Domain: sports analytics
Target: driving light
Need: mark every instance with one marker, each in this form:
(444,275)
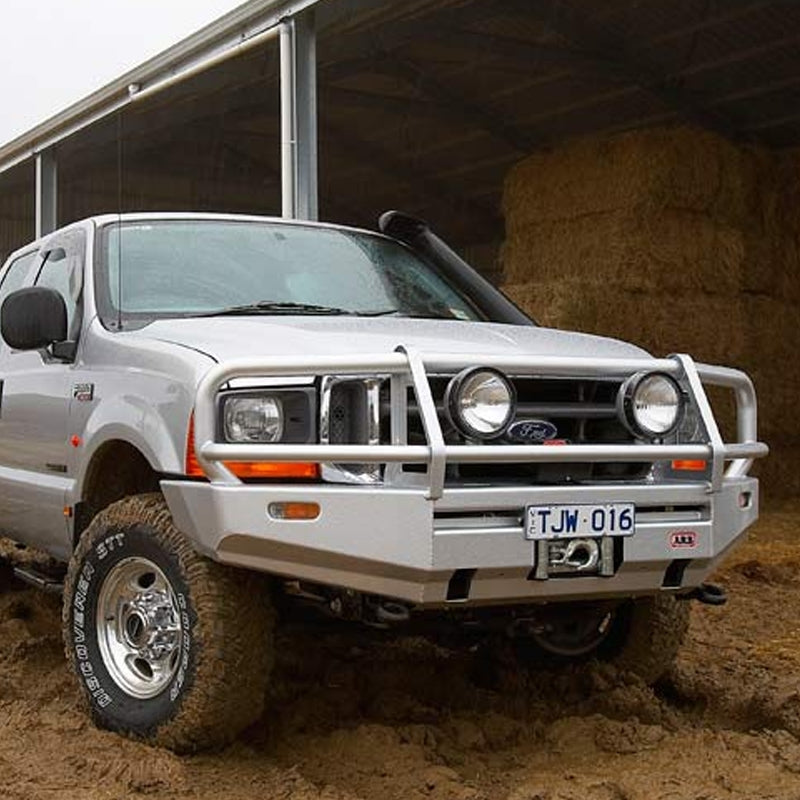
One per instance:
(651,404)
(480,402)
(253,419)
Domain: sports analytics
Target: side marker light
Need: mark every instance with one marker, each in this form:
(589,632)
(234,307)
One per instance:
(294,511)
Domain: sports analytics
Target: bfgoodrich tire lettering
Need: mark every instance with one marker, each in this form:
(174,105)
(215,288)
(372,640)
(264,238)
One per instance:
(217,685)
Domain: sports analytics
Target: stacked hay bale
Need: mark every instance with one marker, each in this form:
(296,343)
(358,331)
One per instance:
(773,343)
(675,239)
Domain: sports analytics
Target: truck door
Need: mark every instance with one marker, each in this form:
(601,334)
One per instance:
(34,411)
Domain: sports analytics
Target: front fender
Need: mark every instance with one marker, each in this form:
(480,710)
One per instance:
(139,423)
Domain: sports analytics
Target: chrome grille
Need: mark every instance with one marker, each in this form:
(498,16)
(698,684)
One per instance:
(347,417)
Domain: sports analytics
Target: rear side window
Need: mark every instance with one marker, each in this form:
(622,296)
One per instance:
(14,277)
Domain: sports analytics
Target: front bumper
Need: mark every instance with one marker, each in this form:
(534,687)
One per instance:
(397,542)
(419,539)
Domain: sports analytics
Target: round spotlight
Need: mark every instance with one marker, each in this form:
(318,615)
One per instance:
(651,404)
(480,402)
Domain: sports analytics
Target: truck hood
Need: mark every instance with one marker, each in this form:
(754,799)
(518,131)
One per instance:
(224,338)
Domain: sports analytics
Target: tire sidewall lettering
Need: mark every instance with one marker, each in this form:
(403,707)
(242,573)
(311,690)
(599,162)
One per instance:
(86,668)
(106,698)
(186,646)
(109,544)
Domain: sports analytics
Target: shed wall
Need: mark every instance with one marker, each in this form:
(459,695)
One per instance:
(17,224)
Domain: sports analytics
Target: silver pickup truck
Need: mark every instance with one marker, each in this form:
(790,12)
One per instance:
(192,402)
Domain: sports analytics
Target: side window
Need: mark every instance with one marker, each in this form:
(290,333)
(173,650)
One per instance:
(62,270)
(15,275)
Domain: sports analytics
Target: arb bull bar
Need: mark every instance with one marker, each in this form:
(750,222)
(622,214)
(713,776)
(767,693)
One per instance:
(406,367)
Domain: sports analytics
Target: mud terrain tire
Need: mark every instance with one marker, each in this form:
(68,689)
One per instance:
(643,637)
(653,630)
(220,653)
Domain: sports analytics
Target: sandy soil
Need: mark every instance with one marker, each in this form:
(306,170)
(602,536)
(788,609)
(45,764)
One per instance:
(362,716)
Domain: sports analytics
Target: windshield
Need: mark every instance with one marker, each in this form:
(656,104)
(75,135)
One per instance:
(177,268)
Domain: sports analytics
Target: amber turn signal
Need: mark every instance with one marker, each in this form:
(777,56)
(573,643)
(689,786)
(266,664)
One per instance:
(247,469)
(269,469)
(689,466)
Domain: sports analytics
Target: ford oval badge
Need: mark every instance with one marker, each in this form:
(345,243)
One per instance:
(532,431)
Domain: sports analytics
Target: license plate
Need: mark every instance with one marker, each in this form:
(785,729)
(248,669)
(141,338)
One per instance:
(568,521)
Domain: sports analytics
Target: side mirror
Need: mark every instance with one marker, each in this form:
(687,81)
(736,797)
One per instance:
(33,318)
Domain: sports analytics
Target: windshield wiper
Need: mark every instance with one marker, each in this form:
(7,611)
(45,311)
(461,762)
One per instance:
(385,312)
(273,307)
(285,307)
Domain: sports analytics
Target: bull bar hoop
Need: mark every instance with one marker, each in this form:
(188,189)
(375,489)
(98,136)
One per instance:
(408,368)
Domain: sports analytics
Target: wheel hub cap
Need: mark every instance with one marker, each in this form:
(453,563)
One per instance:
(139,627)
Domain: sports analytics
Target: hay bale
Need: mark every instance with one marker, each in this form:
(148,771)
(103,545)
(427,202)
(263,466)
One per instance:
(772,356)
(648,171)
(787,176)
(772,234)
(778,389)
(670,251)
(780,473)
(771,265)
(773,331)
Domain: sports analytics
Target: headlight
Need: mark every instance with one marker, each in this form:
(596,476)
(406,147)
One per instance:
(253,419)
(651,404)
(480,402)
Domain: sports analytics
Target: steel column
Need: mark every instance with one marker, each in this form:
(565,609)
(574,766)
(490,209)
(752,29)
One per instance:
(46,193)
(298,118)
(288,117)
(306,111)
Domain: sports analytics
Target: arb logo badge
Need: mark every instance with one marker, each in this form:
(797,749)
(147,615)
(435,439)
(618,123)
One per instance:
(683,540)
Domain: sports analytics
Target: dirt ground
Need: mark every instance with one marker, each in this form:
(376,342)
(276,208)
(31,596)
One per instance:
(363,716)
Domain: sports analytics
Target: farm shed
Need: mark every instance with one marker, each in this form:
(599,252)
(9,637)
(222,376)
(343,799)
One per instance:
(626,167)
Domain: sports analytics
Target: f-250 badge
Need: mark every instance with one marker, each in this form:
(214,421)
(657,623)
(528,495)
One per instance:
(83,392)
